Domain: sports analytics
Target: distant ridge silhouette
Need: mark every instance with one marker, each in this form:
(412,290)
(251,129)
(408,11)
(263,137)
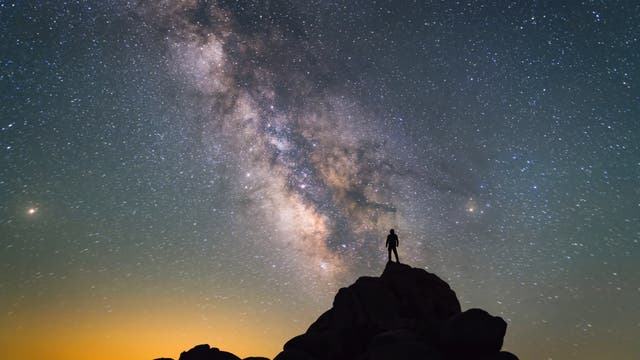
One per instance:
(406,313)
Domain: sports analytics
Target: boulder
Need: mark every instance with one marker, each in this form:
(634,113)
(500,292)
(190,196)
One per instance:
(403,297)
(473,333)
(205,352)
(422,296)
(404,306)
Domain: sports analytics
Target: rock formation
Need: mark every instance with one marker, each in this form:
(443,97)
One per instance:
(204,352)
(406,313)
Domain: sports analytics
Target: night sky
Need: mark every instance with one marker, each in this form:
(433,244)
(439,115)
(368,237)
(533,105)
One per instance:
(184,172)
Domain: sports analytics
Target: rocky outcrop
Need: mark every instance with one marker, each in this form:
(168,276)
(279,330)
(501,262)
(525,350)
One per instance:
(204,352)
(406,313)
(473,333)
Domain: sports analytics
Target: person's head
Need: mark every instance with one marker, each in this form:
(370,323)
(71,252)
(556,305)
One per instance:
(391,231)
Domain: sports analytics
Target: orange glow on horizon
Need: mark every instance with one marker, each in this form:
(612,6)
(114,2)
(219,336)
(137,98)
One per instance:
(138,333)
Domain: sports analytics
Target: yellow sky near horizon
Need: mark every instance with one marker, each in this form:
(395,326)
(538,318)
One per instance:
(139,332)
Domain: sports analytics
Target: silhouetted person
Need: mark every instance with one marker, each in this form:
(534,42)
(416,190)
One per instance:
(392,244)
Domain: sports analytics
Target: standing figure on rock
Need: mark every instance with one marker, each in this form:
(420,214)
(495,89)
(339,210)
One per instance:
(392,244)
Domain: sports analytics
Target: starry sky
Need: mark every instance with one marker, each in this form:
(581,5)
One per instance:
(178,172)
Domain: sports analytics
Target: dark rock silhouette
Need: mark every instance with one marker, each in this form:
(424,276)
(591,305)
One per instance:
(204,352)
(406,313)
(473,333)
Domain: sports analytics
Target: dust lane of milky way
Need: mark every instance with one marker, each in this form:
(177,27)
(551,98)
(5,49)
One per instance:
(313,166)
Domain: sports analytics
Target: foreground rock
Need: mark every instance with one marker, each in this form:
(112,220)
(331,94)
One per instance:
(204,352)
(406,313)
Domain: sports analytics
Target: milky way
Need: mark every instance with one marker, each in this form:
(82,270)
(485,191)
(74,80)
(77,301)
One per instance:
(309,163)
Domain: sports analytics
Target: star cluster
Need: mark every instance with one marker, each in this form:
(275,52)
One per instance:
(182,172)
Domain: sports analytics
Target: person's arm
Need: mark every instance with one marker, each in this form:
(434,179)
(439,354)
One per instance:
(386,244)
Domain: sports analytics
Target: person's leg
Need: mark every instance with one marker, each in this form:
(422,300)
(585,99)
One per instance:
(395,252)
(389,248)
